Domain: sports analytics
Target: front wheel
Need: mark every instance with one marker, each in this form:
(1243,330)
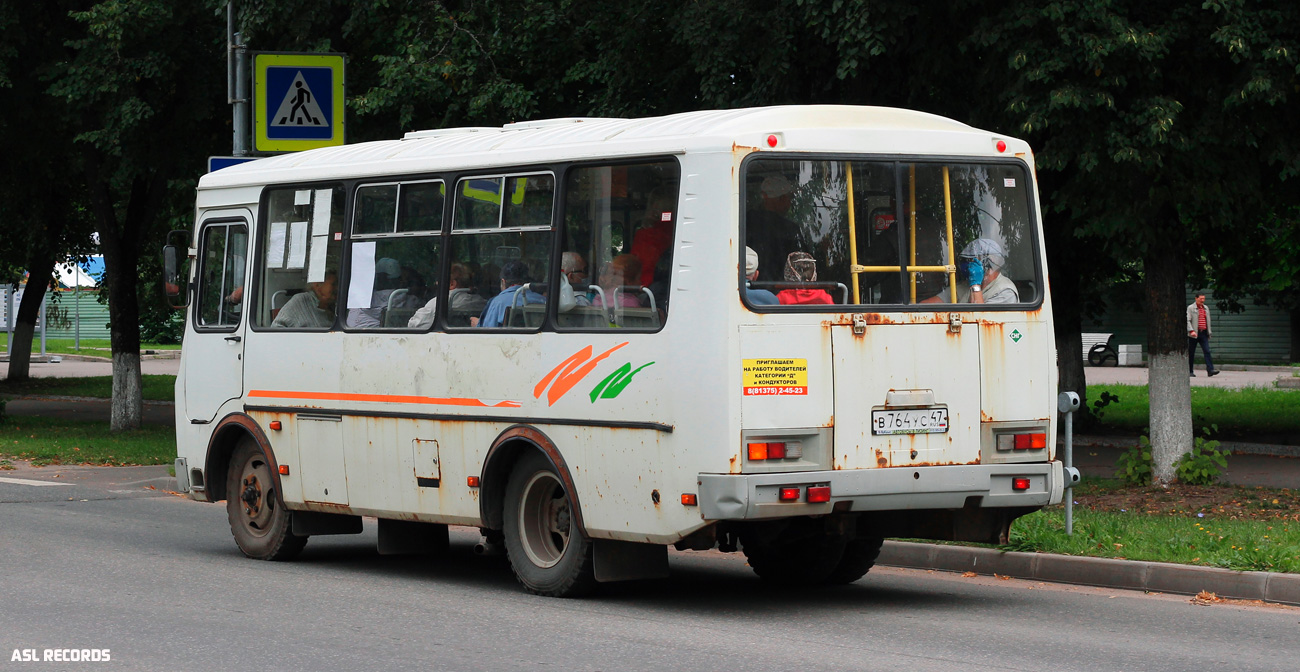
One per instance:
(550,555)
(258,519)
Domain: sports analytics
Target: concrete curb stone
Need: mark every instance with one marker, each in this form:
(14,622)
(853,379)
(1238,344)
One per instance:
(1102,572)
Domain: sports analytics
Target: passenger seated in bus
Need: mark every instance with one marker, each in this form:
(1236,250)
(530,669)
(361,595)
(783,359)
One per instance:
(312,309)
(767,226)
(663,282)
(620,276)
(758,297)
(979,268)
(983,260)
(573,271)
(655,235)
(388,275)
(801,267)
(514,274)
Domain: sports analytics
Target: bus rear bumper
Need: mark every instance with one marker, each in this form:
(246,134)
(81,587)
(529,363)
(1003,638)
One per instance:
(756,496)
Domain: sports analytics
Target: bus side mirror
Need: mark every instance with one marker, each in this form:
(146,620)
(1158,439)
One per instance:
(176,276)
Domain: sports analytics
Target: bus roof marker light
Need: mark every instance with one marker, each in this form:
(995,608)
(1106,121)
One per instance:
(772,141)
(1001,145)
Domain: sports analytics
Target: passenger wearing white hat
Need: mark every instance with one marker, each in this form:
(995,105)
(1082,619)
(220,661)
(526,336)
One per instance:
(758,297)
(983,260)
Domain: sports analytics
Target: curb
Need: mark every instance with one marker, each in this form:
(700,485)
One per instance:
(1160,577)
(1235,447)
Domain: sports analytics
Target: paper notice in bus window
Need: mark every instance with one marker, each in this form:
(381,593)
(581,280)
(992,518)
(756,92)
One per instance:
(320,215)
(319,250)
(361,282)
(302,197)
(775,377)
(275,245)
(297,245)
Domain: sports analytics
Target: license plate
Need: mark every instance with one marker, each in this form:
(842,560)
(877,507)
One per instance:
(910,421)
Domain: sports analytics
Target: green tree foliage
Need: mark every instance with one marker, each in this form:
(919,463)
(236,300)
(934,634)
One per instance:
(144,84)
(1167,124)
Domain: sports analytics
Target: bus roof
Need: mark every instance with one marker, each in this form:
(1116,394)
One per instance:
(800,127)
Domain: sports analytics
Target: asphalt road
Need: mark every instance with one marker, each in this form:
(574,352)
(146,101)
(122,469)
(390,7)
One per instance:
(106,562)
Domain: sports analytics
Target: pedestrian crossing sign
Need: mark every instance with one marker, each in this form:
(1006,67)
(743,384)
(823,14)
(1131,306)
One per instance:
(297,101)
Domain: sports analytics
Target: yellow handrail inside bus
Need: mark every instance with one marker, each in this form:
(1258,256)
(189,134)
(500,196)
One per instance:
(911,207)
(952,254)
(853,238)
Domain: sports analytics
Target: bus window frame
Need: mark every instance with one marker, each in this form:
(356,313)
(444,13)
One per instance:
(263,229)
(1033,224)
(204,224)
(450,233)
(349,224)
(553,303)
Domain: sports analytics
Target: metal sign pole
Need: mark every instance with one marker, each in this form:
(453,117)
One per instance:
(237,94)
(76,307)
(1067,403)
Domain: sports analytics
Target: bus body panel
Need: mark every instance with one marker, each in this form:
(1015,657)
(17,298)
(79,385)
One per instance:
(376,418)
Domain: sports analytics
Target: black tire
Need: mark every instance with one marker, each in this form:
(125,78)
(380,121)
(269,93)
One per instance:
(548,552)
(858,559)
(801,562)
(258,519)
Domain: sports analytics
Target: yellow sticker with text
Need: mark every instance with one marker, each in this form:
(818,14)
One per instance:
(775,376)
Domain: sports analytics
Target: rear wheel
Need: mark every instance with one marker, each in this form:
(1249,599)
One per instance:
(803,561)
(548,552)
(258,519)
(859,556)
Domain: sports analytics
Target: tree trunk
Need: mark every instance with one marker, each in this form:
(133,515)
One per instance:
(1170,390)
(1295,335)
(40,270)
(119,241)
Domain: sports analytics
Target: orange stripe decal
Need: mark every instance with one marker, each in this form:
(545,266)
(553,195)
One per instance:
(570,372)
(382,398)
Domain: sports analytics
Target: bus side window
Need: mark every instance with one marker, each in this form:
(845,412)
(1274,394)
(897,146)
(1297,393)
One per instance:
(396,255)
(221,276)
(299,253)
(619,275)
(501,239)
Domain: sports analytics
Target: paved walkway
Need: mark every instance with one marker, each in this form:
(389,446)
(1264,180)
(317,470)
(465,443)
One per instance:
(80,368)
(1230,377)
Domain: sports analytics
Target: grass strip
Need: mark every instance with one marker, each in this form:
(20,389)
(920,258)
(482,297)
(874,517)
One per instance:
(155,387)
(46,441)
(95,347)
(1245,412)
(1247,545)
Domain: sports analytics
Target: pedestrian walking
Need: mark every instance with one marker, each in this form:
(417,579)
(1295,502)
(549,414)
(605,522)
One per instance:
(1198,331)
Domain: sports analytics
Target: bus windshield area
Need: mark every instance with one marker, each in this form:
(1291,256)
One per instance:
(883,233)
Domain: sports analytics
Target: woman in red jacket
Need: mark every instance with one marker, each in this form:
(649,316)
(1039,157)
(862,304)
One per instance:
(801,267)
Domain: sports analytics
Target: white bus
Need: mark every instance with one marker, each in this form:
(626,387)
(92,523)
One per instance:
(794,331)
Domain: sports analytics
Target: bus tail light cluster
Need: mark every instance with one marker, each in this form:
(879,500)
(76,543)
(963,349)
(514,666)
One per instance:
(1034,441)
(1020,483)
(774,450)
(816,494)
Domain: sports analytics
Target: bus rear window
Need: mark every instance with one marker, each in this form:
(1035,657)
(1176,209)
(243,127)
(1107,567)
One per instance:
(892,243)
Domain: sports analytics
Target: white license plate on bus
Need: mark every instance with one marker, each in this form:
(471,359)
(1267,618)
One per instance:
(910,421)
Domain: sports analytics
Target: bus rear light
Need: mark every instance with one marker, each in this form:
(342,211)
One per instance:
(1001,145)
(275,424)
(818,494)
(758,451)
(789,494)
(772,140)
(1020,483)
(688,499)
(775,451)
(1028,441)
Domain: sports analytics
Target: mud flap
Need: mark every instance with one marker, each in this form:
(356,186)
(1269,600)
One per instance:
(627,560)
